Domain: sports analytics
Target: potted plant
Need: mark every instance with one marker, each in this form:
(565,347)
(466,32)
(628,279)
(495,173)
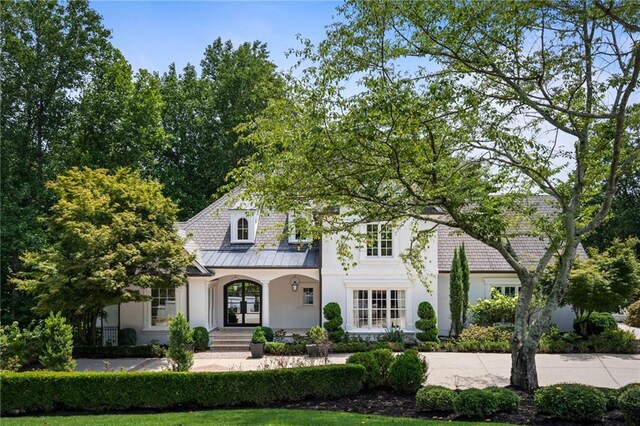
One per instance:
(320,345)
(258,340)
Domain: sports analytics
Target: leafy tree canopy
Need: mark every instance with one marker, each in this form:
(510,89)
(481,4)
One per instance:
(467,107)
(110,237)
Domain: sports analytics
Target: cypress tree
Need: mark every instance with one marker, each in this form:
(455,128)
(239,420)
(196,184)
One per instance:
(455,294)
(466,283)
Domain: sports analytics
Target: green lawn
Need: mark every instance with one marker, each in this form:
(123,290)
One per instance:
(227,417)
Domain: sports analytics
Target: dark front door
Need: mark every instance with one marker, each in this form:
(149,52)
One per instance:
(243,303)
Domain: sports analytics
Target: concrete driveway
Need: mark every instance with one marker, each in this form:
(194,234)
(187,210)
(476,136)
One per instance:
(450,369)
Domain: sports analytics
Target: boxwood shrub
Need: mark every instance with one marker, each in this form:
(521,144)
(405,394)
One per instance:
(566,401)
(476,403)
(373,377)
(140,351)
(407,372)
(508,400)
(630,405)
(101,392)
(435,398)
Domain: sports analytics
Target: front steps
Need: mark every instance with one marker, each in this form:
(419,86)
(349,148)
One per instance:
(230,339)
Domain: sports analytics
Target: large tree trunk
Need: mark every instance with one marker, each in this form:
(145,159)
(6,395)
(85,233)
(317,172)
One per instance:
(523,366)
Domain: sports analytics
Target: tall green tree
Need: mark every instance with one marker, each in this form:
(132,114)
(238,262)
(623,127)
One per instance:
(455,294)
(465,275)
(201,114)
(475,108)
(118,122)
(111,236)
(48,50)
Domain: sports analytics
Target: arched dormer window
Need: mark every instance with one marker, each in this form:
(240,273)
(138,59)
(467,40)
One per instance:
(243,229)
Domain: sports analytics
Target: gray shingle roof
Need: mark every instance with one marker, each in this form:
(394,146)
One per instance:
(210,230)
(483,258)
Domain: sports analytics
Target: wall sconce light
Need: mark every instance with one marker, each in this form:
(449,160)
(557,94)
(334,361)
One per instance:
(294,283)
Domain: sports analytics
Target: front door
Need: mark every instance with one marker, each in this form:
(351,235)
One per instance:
(243,303)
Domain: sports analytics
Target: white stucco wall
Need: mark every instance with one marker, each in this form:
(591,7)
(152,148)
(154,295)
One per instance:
(480,289)
(378,273)
(137,316)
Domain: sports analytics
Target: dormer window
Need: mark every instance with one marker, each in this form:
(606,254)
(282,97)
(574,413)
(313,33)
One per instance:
(243,229)
(243,226)
(295,235)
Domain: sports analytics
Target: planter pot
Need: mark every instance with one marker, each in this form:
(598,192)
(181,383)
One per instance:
(257,350)
(314,350)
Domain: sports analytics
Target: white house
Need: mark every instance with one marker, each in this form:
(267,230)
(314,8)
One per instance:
(246,275)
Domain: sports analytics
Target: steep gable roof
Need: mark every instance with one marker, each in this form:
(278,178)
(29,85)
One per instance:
(210,230)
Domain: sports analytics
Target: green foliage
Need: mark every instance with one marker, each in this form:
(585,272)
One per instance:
(571,402)
(49,52)
(435,398)
(57,344)
(373,377)
(427,324)
(607,281)
(180,357)
(200,338)
(317,335)
(407,372)
(394,334)
(107,392)
(633,314)
(333,323)
(141,351)
(127,337)
(268,333)
(279,348)
(385,358)
(19,347)
(630,405)
(476,403)
(613,341)
(456,294)
(594,323)
(508,400)
(484,339)
(612,396)
(465,276)
(258,336)
(112,236)
(499,308)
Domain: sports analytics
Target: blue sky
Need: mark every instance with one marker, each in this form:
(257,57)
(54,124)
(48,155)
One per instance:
(153,34)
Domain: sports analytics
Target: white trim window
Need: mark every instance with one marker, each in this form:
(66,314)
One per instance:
(296,236)
(379,308)
(507,286)
(163,306)
(308,298)
(379,240)
(243,229)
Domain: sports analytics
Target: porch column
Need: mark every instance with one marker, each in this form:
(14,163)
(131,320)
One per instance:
(265,303)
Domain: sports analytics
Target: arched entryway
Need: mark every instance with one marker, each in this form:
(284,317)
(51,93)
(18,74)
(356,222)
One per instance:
(243,303)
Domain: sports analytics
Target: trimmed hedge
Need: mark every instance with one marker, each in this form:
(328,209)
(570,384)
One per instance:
(141,351)
(508,400)
(435,398)
(630,405)
(127,337)
(568,401)
(476,403)
(100,392)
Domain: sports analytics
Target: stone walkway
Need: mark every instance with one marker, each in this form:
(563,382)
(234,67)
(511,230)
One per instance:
(445,368)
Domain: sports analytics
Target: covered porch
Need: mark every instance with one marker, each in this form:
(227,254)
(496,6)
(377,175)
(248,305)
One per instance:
(237,299)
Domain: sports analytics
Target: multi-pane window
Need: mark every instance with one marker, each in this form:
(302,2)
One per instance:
(163,305)
(507,290)
(243,229)
(307,296)
(379,240)
(379,308)
(361,308)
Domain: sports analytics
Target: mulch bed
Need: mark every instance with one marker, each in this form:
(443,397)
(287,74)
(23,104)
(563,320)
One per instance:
(388,403)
